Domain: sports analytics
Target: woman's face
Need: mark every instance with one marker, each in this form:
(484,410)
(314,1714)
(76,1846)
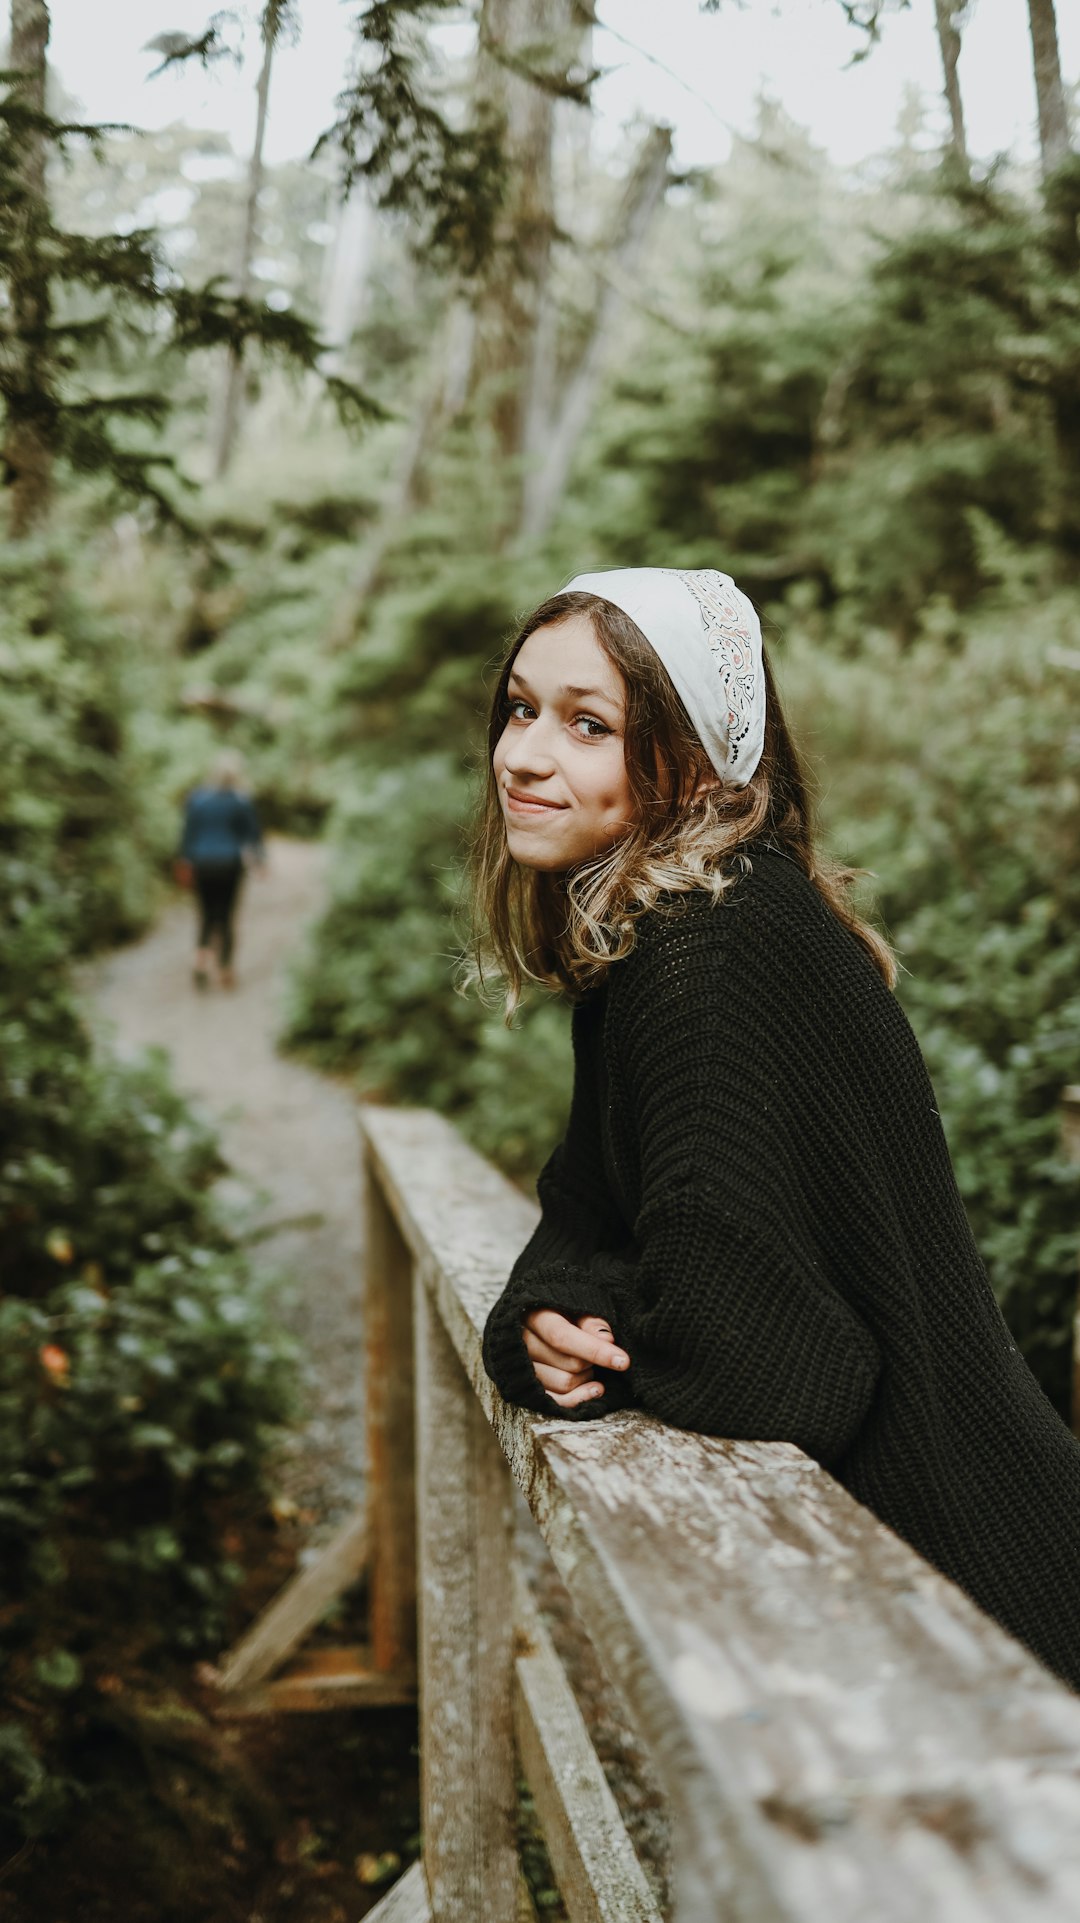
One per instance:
(560,764)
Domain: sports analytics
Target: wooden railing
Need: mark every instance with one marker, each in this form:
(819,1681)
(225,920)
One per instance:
(840,1732)
(841,1735)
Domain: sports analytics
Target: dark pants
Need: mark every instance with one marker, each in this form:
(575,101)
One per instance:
(217,884)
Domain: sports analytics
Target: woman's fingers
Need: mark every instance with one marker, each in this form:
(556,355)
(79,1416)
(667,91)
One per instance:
(595,1325)
(545,1331)
(560,1381)
(585,1392)
(542,1351)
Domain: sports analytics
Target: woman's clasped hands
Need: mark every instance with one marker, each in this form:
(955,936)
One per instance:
(564,1354)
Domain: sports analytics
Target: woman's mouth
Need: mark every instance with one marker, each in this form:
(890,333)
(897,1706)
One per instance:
(522,804)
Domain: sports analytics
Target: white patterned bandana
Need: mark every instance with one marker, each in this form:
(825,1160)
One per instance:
(708,637)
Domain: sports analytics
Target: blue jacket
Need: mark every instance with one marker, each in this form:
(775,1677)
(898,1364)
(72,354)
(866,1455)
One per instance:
(219,825)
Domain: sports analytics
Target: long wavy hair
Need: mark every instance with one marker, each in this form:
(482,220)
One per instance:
(564,930)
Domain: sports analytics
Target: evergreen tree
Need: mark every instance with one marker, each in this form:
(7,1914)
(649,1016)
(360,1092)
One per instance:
(75,302)
(27,452)
(276,15)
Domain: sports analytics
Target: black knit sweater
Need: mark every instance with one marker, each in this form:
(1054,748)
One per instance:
(754,1190)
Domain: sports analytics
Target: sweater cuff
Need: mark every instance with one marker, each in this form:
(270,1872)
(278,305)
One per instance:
(573,1293)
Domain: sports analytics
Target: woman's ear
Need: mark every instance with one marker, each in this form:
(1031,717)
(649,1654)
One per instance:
(706,784)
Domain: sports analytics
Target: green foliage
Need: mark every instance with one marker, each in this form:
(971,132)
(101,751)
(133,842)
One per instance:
(450,180)
(79,305)
(850,399)
(139,1377)
(81,810)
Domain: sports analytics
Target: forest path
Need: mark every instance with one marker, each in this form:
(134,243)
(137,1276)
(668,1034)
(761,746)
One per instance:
(288,1133)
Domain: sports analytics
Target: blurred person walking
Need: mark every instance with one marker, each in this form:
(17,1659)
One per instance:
(221,837)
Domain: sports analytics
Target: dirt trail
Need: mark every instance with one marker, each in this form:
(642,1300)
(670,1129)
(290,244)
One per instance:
(288,1133)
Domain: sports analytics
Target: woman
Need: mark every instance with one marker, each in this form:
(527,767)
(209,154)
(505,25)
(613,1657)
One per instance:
(751,1227)
(221,833)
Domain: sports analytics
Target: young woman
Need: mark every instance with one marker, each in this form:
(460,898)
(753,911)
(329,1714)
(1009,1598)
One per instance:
(751,1227)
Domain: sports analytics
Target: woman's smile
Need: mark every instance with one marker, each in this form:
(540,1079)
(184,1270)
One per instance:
(520,803)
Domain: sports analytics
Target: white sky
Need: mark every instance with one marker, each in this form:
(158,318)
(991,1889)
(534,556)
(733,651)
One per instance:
(797,51)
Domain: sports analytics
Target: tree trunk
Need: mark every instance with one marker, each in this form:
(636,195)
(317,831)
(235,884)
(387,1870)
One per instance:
(232,394)
(346,279)
(510,310)
(28,442)
(398,505)
(489,345)
(1050,92)
(544,481)
(949,41)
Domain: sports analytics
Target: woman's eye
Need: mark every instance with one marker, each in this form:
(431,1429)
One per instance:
(517,704)
(593,729)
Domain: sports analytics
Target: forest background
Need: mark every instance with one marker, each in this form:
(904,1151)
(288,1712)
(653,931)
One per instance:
(287,448)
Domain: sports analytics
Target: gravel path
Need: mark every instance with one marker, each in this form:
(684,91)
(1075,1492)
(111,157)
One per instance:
(289,1136)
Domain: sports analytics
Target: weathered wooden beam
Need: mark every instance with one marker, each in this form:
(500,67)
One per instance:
(389,1415)
(841,1732)
(407,1902)
(1070,1145)
(468,1778)
(296,1609)
(597,1871)
(326,1678)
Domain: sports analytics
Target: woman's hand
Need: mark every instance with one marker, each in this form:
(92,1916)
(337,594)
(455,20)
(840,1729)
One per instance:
(564,1354)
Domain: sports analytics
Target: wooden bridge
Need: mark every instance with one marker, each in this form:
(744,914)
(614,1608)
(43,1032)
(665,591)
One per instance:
(841,1735)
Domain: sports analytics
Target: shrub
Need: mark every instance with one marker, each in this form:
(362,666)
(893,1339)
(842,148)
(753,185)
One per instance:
(80,800)
(139,1376)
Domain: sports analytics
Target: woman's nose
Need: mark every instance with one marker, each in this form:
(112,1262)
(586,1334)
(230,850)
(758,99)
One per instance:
(529,751)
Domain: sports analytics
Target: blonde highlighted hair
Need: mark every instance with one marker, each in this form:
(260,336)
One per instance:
(564,930)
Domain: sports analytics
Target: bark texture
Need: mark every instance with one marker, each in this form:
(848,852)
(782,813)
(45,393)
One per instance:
(948,33)
(28,441)
(1049,90)
(557,430)
(232,393)
(511,312)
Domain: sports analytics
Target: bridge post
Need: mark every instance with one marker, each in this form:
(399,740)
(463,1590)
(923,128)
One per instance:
(468,1768)
(389,1417)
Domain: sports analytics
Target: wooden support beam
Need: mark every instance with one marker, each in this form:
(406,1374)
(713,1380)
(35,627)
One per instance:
(1070,1145)
(389,1406)
(407,1902)
(296,1609)
(327,1678)
(596,1868)
(468,1774)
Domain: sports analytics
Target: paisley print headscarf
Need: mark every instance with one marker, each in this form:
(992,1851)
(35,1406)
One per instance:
(708,637)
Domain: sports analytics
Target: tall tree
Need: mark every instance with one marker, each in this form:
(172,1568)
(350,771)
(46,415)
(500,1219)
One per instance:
(84,315)
(484,200)
(527,48)
(275,16)
(945,19)
(346,273)
(27,450)
(1049,88)
(558,421)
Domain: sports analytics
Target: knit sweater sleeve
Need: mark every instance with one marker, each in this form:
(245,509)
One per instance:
(731,1325)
